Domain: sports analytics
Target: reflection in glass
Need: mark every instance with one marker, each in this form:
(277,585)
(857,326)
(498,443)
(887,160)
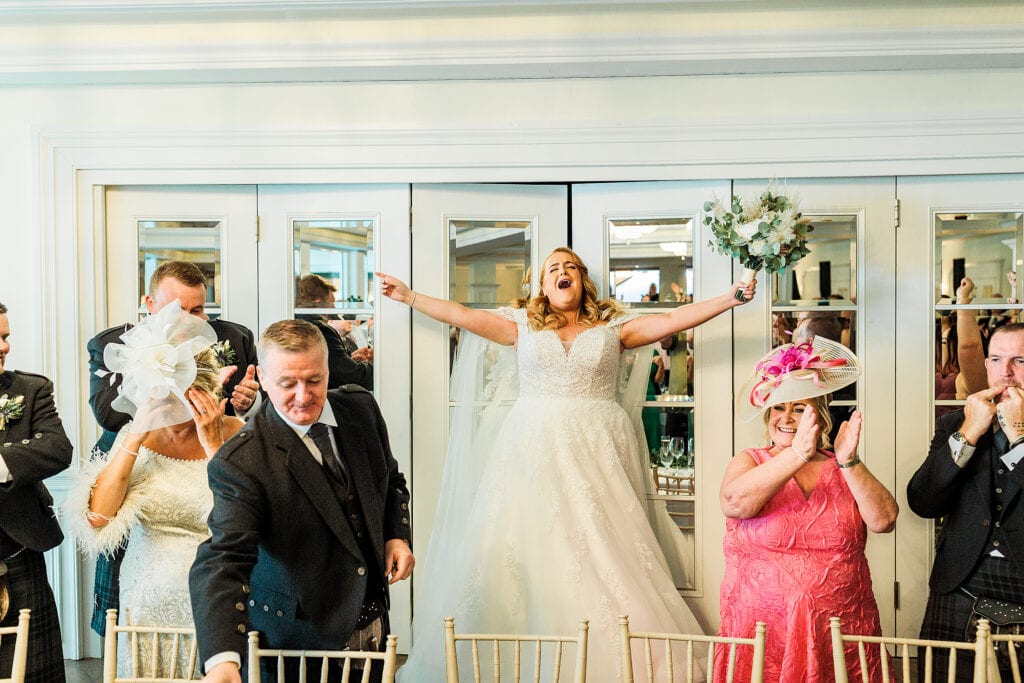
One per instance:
(827,276)
(985,247)
(489,262)
(341,252)
(962,333)
(196,241)
(650,260)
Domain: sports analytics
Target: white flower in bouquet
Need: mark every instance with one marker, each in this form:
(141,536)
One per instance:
(766,232)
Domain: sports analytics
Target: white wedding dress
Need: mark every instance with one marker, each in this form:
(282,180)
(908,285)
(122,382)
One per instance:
(557,528)
(165,513)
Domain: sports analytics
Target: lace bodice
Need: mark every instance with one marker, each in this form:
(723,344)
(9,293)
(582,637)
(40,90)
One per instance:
(588,370)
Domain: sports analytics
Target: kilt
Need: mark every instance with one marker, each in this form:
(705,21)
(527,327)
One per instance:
(106,589)
(946,617)
(29,588)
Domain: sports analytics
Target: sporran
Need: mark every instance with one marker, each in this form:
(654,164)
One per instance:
(1004,618)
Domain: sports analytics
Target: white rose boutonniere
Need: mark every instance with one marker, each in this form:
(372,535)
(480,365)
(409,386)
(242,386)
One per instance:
(768,232)
(11,408)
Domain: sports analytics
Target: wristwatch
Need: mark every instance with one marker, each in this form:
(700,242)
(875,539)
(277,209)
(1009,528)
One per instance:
(959,437)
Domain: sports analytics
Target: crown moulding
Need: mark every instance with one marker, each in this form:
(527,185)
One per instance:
(497,57)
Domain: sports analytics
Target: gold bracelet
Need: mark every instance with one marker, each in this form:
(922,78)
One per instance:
(412,304)
(128,451)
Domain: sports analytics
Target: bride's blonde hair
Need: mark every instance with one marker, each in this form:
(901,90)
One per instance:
(592,311)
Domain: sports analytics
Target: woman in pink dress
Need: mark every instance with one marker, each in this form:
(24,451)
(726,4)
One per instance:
(798,516)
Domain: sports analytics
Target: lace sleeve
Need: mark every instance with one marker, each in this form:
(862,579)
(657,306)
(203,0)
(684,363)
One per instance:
(623,318)
(114,534)
(516,315)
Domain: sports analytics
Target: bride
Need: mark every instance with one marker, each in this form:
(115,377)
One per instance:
(152,484)
(543,521)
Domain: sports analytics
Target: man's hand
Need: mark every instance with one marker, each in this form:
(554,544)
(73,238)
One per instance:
(245,391)
(1010,413)
(979,411)
(225,672)
(398,560)
(363,354)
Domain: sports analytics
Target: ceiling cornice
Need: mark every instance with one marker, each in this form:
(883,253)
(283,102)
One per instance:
(566,56)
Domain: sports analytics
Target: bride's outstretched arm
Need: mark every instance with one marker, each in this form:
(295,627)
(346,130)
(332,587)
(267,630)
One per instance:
(481,323)
(648,329)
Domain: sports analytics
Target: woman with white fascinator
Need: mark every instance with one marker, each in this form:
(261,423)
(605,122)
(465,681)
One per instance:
(152,484)
(798,516)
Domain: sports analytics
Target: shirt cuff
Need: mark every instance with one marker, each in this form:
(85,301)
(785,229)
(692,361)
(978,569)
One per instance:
(222,657)
(1012,458)
(254,408)
(961,451)
(5,474)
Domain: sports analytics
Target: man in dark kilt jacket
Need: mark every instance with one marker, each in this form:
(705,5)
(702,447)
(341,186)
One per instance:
(33,447)
(973,479)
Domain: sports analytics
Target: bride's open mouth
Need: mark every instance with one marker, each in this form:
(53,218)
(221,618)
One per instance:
(565,283)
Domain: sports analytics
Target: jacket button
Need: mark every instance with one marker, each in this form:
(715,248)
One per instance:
(280,613)
(405,506)
(8,444)
(266,608)
(995,543)
(252,603)
(26,441)
(361,571)
(245,588)
(241,629)
(39,435)
(240,606)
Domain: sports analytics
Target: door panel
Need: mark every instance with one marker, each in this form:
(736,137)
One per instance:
(213,226)
(471,244)
(853,259)
(644,241)
(950,227)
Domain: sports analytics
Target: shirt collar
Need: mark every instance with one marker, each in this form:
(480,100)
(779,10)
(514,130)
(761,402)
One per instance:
(326,416)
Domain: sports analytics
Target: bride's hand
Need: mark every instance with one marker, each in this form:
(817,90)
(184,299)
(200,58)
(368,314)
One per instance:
(393,288)
(749,289)
(208,414)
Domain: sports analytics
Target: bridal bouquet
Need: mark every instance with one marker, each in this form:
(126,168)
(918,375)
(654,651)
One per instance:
(768,232)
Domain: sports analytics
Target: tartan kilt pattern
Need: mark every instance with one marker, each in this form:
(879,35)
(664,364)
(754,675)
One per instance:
(948,617)
(106,589)
(29,588)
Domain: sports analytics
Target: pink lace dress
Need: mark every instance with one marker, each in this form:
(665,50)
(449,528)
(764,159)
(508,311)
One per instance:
(793,566)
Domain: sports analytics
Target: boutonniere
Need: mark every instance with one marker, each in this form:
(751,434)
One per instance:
(225,354)
(11,409)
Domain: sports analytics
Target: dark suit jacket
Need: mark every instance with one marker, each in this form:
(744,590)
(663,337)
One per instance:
(102,393)
(34,447)
(963,497)
(282,559)
(343,369)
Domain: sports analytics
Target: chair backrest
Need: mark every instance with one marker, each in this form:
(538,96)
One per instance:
(1014,646)
(673,484)
(661,650)
(556,648)
(20,633)
(350,662)
(164,653)
(901,646)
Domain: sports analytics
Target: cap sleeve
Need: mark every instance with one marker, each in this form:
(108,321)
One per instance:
(623,318)
(516,315)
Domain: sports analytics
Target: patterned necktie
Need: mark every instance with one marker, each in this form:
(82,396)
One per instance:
(322,439)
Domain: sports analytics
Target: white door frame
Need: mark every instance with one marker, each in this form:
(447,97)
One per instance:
(69,164)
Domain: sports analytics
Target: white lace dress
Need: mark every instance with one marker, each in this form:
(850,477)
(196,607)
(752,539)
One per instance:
(558,529)
(165,513)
